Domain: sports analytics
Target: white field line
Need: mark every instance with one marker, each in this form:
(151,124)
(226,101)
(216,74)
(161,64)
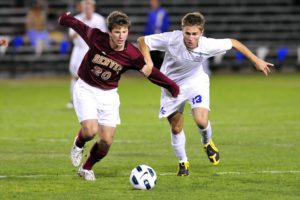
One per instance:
(167,174)
(261,172)
(242,173)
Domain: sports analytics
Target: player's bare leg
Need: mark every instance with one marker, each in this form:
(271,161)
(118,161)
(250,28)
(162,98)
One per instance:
(86,133)
(98,152)
(201,118)
(178,142)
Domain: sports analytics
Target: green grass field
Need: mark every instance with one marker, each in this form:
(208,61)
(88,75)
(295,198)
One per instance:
(256,126)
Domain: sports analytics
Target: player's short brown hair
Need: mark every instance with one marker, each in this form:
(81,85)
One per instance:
(117,18)
(193,19)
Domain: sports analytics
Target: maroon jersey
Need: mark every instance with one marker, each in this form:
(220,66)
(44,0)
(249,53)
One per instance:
(102,66)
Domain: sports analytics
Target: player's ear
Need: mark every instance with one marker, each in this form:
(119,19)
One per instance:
(202,31)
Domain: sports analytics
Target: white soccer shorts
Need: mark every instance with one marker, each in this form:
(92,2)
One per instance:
(94,103)
(196,92)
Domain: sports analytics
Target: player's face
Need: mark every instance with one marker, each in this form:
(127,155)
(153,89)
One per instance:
(88,9)
(191,35)
(118,37)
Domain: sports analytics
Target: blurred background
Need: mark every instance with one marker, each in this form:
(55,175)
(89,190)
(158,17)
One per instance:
(270,28)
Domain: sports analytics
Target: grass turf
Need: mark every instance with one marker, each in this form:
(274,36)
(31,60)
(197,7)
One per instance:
(255,124)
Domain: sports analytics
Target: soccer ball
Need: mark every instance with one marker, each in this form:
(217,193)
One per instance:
(143,177)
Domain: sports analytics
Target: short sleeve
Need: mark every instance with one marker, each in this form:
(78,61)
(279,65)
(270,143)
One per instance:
(216,46)
(158,41)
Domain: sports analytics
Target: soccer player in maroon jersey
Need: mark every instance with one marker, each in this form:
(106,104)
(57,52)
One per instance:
(96,100)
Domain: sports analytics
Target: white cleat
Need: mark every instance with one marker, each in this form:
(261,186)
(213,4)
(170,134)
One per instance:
(88,175)
(76,154)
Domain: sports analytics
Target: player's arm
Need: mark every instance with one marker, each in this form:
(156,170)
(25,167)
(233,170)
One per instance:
(155,76)
(162,80)
(259,64)
(82,29)
(144,49)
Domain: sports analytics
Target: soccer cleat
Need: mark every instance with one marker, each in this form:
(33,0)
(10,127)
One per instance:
(88,175)
(76,154)
(183,169)
(212,153)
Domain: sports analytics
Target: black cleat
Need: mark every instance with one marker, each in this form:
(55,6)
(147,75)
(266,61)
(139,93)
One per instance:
(212,153)
(183,169)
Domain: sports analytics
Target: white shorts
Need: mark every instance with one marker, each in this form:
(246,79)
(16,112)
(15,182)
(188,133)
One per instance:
(94,103)
(77,56)
(195,91)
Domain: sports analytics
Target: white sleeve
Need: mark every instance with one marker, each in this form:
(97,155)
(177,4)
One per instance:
(158,41)
(217,46)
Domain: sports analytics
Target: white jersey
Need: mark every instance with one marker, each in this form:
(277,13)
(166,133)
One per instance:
(181,64)
(185,67)
(80,47)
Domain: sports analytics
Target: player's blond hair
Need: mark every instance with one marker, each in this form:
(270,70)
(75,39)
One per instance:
(193,19)
(117,18)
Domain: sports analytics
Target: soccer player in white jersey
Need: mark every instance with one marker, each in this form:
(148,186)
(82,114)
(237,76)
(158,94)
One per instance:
(185,52)
(92,19)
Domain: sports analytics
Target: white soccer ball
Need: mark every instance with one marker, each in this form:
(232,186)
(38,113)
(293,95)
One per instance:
(143,177)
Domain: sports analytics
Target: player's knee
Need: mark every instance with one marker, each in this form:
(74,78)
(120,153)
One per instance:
(90,130)
(202,123)
(177,128)
(105,144)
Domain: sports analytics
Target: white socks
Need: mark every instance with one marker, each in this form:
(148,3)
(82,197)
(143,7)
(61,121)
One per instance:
(206,134)
(178,144)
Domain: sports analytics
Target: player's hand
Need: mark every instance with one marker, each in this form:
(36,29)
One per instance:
(146,70)
(63,15)
(263,66)
(175,90)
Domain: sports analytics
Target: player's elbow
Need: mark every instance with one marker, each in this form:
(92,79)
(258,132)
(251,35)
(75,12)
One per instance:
(141,40)
(235,43)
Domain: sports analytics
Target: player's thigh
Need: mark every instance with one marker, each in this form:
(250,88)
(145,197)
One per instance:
(108,112)
(170,105)
(84,101)
(198,93)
